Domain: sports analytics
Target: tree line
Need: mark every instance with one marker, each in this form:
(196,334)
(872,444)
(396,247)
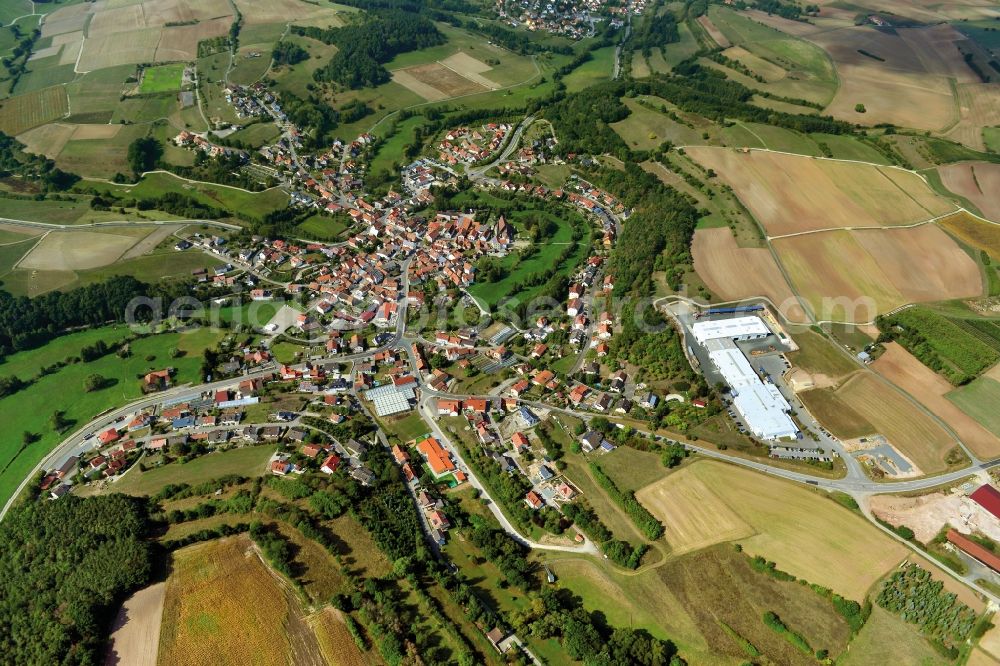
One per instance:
(363,48)
(64,567)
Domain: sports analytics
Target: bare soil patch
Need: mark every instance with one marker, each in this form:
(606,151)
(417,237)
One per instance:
(449,82)
(135,636)
(979,182)
(470,68)
(927,514)
(713,31)
(739,272)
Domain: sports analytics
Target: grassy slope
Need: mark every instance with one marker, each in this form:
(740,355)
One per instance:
(30,410)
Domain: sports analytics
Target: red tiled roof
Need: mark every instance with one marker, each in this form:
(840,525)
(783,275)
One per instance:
(987,497)
(975,550)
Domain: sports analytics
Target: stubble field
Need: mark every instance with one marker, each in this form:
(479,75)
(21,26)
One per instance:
(735,272)
(979,182)
(887,268)
(913,432)
(848,555)
(221,590)
(904,370)
(792,194)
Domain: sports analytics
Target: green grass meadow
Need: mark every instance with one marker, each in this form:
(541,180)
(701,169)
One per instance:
(162,78)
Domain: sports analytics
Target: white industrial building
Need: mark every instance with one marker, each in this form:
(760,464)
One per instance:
(737,328)
(760,403)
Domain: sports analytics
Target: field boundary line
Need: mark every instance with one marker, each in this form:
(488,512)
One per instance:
(870,227)
(538,73)
(17,264)
(187,180)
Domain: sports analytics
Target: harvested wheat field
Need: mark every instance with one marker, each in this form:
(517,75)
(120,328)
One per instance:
(335,642)
(282,11)
(978,107)
(435,81)
(793,193)
(472,69)
(923,263)
(110,49)
(887,268)
(735,272)
(704,520)
(225,606)
(79,250)
(48,139)
(181,42)
(817,265)
(974,232)
(135,634)
(979,182)
(848,555)
(914,433)
(905,371)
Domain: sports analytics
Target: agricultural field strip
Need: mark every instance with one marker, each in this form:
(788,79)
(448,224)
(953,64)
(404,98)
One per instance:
(921,223)
(534,61)
(958,209)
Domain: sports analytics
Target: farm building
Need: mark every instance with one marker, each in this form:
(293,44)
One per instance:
(974,550)
(987,497)
(760,403)
(737,328)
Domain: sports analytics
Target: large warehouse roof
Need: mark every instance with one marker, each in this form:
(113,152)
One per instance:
(760,404)
(389,399)
(737,327)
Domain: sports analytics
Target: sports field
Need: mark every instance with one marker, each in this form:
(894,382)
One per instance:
(791,194)
(847,554)
(741,272)
(164,78)
(221,589)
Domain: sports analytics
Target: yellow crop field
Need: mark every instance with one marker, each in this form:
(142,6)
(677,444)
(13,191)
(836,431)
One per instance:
(693,515)
(846,554)
(224,606)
